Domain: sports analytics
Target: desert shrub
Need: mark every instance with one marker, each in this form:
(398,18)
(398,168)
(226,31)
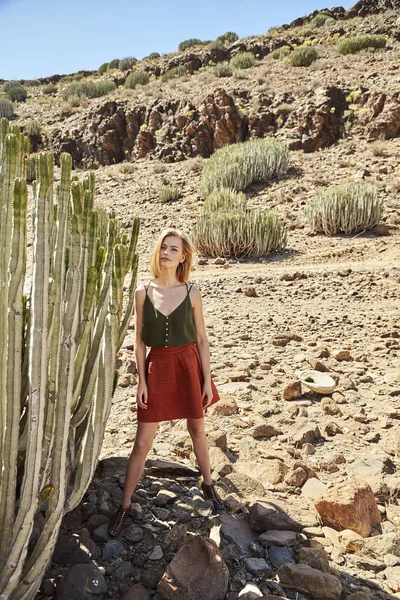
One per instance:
(103,68)
(154,55)
(127,168)
(306,33)
(223,69)
(50,88)
(169,192)
(280,53)
(113,64)
(174,73)
(229,37)
(237,166)
(88,89)
(32,127)
(321,19)
(127,63)
(227,228)
(243,60)
(303,57)
(74,100)
(347,208)
(137,78)
(6,107)
(186,44)
(354,44)
(32,83)
(9,85)
(217,45)
(16,92)
(240,74)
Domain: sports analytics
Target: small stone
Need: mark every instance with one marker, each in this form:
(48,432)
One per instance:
(350,541)
(292,391)
(316,558)
(219,261)
(341,355)
(226,406)
(276,537)
(165,497)
(304,432)
(133,534)
(308,449)
(317,365)
(332,429)
(264,430)
(257,566)
(250,292)
(157,553)
(137,592)
(113,549)
(296,477)
(280,555)
(330,407)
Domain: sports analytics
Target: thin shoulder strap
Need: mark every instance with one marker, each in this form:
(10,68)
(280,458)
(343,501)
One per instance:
(188,288)
(146,287)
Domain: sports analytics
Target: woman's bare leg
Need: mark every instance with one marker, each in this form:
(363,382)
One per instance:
(200,447)
(143,444)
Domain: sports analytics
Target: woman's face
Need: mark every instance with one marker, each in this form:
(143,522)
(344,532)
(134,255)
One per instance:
(171,253)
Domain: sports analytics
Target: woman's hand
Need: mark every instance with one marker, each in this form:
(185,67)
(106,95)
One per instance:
(141,395)
(207,395)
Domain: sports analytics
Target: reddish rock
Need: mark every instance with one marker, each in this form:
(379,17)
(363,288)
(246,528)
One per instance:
(193,568)
(292,391)
(350,505)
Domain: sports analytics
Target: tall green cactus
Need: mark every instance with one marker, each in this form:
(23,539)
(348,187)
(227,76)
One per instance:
(61,325)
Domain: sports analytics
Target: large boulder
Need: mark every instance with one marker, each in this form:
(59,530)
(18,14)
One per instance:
(350,505)
(196,571)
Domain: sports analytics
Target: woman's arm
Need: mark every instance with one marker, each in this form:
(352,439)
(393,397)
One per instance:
(202,344)
(140,348)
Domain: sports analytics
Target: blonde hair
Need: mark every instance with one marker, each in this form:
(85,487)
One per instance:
(184,268)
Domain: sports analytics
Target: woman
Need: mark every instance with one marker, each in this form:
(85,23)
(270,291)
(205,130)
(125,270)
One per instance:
(174,380)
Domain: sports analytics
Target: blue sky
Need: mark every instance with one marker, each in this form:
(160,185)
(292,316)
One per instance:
(44,37)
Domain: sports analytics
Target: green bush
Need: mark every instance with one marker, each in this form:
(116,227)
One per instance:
(137,78)
(32,127)
(229,37)
(174,73)
(154,55)
(347,208)
(217,45)
(169,193)
(9,85)
(303,57)
(223,69)
(113,64)
(32,83)
(243,60)
(17,93)
(237,166)
(50,88)
(185,45)
(127,63)
(227,228)
(6,107)
(320,19)
(88,89)
(354,44)
(306,33)
(280,53)
(103,68)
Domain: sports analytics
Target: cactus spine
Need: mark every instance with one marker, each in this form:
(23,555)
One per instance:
(57,350)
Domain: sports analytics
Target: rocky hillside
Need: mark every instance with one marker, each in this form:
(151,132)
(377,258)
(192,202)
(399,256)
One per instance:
(311,481)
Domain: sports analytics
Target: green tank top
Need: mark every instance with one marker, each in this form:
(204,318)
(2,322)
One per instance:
(178,329)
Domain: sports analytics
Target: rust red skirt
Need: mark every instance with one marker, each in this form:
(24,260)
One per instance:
(174,383)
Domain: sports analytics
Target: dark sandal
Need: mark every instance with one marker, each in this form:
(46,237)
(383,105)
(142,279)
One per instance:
(117,521)
(210,493)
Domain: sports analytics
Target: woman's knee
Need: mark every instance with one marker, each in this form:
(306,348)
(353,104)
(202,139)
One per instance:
(196,432)
(142,446)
